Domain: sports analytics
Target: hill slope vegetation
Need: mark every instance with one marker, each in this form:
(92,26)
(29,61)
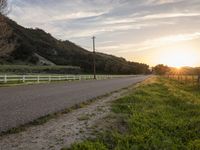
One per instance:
(27,46)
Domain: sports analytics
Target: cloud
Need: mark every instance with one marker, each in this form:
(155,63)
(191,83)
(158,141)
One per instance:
(157,43)
(163,1)
(178,38)
(170,15)
(131,25)
(76,15)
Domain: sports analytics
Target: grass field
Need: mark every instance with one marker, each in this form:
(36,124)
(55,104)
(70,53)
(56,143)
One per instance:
(26,69)
(159,114)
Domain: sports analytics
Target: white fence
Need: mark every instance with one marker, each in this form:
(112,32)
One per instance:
(51,78)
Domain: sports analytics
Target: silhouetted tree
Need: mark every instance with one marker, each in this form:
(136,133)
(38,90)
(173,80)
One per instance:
(161,69)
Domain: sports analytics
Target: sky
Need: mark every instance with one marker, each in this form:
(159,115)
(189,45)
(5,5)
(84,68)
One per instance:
(146,31)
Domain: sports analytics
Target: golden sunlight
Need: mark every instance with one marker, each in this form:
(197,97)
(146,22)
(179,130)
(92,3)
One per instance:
(179,56)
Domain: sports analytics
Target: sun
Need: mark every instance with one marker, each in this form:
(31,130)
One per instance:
(179,57)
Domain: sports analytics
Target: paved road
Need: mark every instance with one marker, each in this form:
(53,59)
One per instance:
(22,104)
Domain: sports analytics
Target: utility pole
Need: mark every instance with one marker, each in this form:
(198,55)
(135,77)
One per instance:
(94,57)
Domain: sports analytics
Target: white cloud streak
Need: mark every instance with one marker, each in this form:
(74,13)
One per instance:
(157,43)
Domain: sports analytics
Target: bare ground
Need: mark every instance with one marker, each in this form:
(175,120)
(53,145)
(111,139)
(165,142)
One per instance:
(62,131)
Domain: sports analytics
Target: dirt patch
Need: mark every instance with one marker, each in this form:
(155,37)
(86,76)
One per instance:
(64,130)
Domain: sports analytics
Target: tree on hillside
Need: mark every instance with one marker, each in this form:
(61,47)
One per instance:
(3,12)
(161,69)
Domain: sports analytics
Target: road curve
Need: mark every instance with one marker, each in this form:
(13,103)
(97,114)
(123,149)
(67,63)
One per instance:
(22,104)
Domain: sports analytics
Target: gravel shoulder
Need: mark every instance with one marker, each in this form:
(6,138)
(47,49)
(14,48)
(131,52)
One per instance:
(64,130)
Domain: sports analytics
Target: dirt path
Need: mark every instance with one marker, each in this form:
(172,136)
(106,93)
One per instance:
(62,131)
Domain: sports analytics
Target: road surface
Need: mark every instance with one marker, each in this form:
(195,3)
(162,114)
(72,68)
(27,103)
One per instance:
(22,104)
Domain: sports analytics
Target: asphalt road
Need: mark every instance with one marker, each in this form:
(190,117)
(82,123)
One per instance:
(22,104)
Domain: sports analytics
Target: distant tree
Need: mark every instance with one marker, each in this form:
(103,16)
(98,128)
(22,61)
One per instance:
(161,69)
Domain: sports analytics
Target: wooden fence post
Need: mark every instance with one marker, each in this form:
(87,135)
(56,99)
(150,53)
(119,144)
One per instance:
(23,79)
(59,78)
(5,78)
(186,79)
(38,79)
(192,76)
(49,78)
(74,77)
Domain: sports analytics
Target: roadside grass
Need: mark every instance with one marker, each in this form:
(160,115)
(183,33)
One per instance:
(159,114)
(93,145)
(19,83)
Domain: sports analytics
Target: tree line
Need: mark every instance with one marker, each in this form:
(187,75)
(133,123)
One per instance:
(164,70)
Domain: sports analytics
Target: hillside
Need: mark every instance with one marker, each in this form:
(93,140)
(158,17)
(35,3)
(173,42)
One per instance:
(36,47)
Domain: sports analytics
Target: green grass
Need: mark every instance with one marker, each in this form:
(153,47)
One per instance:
(20,83)
(160,114)
(91,145)
(28,69)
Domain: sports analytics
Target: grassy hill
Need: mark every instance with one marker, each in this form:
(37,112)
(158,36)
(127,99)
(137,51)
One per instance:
(23,46)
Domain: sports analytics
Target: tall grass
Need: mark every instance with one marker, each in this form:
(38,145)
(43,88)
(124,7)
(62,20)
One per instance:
(161,114)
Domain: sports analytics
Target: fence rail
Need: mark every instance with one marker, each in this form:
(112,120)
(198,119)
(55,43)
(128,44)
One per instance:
(50,78)
(192,79)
